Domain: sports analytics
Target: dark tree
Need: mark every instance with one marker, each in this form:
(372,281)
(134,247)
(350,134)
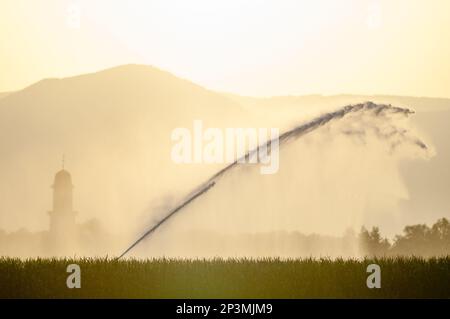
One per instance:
(421,240)
(372,244)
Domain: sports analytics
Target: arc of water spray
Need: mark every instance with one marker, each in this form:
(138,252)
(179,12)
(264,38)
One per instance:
(173,212)
(285,137)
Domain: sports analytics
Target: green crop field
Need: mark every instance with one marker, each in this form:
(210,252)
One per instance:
(232,278)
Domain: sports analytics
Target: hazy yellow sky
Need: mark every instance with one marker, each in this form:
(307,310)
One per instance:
(272,47)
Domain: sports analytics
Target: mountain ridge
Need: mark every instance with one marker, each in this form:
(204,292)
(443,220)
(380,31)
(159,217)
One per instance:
(134,71)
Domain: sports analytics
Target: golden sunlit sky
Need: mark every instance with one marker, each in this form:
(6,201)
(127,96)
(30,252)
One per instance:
(261,48)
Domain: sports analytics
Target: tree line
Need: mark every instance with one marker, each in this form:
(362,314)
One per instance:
(416,240)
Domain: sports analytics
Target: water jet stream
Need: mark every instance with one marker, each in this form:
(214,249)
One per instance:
(376,110)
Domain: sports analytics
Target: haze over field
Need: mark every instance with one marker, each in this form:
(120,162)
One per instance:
(115,125)
(103,84)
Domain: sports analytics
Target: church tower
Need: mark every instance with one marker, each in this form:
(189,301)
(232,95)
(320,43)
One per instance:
(62,217)
(63,236)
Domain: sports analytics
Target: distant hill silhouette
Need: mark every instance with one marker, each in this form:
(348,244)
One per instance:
(114,127)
